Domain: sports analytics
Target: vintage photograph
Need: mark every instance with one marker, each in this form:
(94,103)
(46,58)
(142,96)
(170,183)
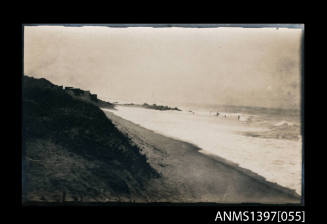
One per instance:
(156,113)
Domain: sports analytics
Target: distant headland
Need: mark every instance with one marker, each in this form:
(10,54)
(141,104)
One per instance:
(153,106)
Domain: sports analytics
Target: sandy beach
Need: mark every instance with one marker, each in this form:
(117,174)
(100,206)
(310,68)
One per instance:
(188,175)
(162,114)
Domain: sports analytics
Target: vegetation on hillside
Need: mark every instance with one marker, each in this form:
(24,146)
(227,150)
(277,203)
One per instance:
(73,152)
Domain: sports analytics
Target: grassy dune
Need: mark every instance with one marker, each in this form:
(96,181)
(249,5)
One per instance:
(73,152)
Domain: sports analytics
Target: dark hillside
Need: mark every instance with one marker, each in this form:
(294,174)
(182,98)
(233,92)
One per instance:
(73,152)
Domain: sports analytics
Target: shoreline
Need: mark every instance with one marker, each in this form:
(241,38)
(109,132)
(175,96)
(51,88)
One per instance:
(213,179)
(277,160)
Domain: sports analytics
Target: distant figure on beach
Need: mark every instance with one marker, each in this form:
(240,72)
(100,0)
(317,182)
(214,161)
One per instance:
(217,114)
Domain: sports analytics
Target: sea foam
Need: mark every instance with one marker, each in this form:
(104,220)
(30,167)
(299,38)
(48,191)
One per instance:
(277,160)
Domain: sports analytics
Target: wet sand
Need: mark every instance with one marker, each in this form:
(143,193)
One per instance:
(190,176)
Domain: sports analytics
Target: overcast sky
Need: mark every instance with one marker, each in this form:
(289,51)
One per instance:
(172,66)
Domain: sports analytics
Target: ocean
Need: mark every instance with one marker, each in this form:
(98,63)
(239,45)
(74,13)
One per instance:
(266,141)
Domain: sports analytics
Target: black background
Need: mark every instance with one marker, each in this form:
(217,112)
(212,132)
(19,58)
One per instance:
(204,213)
